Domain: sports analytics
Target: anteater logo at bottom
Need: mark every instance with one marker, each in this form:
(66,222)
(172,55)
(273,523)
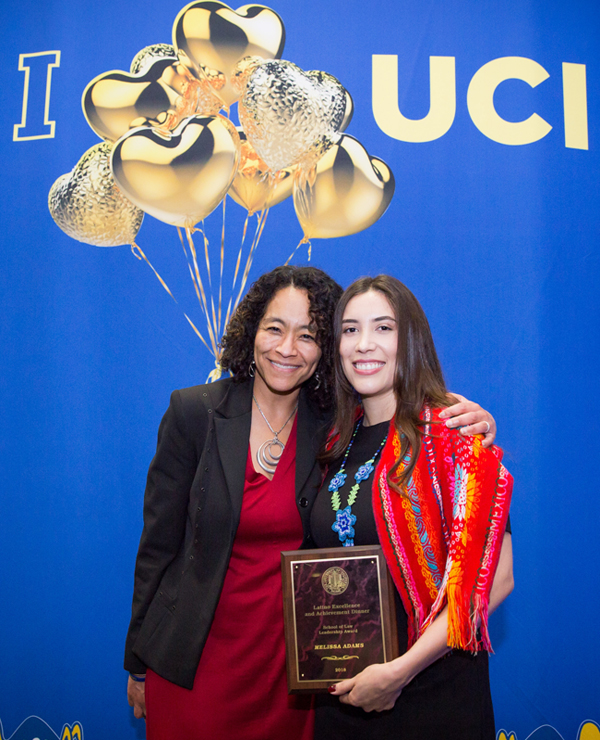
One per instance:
(34,728)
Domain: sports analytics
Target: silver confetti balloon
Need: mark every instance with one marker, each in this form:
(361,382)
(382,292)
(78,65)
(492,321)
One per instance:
(291,116)
(145,58)
(88,206)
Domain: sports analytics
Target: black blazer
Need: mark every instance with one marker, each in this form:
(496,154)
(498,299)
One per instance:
(192,508)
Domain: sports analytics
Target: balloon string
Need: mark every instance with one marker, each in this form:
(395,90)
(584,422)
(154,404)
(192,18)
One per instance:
(206,255)
(248,260)
(222,263)
(250,256)
(198,333)
(262,219)
(204,304)
(305,240)
(198,285)
(211,326)
(227,314)
(203,301)
(137,252)
(190,267)
(181,240)
(262,226)
(237,267)
(195,277)
(212,299)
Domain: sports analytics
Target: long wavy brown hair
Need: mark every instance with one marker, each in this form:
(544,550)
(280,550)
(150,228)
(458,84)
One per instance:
(418,377)
(323,294)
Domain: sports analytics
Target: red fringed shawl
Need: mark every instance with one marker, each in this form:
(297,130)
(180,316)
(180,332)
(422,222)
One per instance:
(442,539)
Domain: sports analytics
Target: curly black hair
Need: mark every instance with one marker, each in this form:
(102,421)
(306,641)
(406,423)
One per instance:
(323,295)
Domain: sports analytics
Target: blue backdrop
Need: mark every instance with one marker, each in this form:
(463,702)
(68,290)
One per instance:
(498,240)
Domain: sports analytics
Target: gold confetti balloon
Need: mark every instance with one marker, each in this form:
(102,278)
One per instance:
(254,186)
(211,39)
(291,116)
(160,94)
(87,205)
(178,177)
(346,192)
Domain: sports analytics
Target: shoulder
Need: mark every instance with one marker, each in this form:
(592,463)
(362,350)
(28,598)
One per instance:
(202,394)
(189,407)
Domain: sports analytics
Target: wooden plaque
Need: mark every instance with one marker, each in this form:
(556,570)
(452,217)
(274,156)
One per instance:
(339,615)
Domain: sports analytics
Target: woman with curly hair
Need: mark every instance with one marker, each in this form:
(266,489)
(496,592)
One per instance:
(231,486)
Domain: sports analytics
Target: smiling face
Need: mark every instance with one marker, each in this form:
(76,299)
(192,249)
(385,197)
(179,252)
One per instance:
(285,347)
(368,350)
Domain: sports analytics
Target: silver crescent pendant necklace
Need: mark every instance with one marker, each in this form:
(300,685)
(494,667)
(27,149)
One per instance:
(270,452)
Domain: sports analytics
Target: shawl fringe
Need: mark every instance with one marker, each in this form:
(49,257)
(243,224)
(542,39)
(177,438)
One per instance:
(466,621)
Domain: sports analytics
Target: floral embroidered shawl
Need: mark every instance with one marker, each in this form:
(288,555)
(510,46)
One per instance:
(442,539)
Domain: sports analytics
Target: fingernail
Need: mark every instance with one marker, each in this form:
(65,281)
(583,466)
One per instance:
(443,414)
(331,689)
(450,423)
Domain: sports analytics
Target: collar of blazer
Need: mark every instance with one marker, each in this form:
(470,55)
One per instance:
(233,416)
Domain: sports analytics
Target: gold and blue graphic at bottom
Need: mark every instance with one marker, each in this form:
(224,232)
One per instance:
(588,730)
(34,728)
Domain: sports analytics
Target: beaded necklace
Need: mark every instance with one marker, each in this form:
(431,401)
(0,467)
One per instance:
(344,518)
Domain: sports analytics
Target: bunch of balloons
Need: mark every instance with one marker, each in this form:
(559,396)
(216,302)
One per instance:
(170,150)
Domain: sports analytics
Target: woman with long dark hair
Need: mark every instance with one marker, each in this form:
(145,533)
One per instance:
(436,501)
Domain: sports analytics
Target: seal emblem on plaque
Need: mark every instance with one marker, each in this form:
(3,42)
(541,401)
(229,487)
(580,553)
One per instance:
(335,580)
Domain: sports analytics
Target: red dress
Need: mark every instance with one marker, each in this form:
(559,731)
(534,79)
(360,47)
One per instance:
(240,689)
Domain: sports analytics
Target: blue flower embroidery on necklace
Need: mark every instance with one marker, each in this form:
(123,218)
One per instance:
(344,521)
(363,472)
(337,481)
(344,518)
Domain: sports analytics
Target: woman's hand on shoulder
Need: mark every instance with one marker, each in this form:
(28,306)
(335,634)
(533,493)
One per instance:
(136,696)
(471,419)
(375,689)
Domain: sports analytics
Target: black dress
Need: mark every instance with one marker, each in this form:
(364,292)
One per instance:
(449,700)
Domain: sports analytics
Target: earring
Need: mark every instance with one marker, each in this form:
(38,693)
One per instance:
(251,369)
(318,379)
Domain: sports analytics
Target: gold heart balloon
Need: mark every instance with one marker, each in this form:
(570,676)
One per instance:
(87,205)
(160,94)
(291,116)
(180,177)
(193,96)
(344,193)
(254,186)
(211,39)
